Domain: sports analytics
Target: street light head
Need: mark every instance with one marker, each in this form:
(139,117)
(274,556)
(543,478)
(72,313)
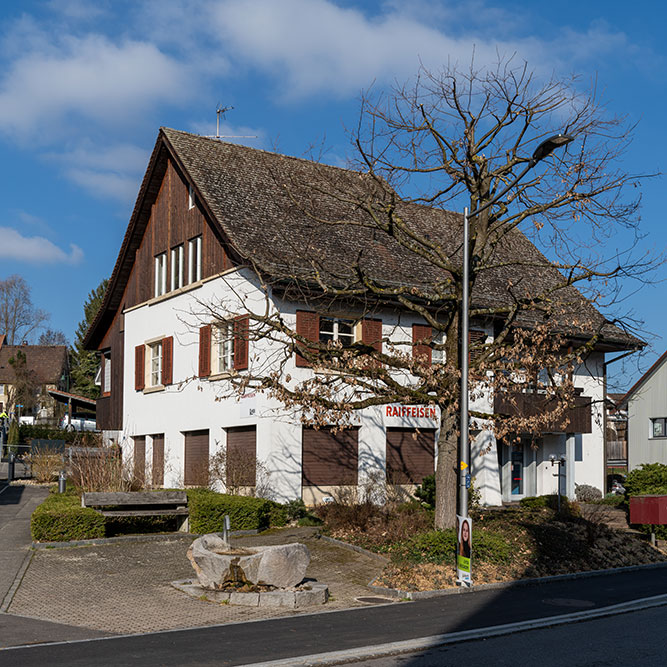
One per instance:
(549,145)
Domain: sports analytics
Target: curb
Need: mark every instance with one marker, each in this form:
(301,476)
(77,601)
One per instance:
(423,643)
(7,601)
(119,539)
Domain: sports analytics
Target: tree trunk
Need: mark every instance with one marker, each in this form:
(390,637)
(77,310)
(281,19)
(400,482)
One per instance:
(446,476)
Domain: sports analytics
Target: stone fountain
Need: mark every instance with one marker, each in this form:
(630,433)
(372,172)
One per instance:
(265,576)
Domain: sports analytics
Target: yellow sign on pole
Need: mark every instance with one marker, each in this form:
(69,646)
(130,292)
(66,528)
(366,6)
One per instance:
(464,465)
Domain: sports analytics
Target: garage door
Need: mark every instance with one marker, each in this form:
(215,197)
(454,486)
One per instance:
(196,458)
(139,459)
(241,456)
(410,455)
(158,459)
(330,458)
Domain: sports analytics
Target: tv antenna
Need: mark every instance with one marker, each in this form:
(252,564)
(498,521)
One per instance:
(220,110)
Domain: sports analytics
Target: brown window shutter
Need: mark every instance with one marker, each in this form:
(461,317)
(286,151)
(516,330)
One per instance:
(205,351)
(308,326)
(139,368)
(371,333)
(476,338)
(421,332)
(241,330)
(167,360)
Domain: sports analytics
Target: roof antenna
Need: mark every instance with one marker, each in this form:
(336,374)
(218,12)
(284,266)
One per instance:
(222,110)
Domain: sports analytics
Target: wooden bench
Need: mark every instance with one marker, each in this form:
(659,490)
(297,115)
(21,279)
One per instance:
(139,503)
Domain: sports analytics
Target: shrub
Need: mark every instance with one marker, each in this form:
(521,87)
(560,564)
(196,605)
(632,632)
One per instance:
(208,510)
(99,469)
(585,493)
(425,492)
(296,509)
(60,518)
(649,478)
(45,464)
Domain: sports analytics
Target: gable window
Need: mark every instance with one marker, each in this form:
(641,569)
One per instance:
(106,374)
(160,274)
(223,350)
(659,427)
(191,197)
(194,259)
(155,364)
(177,267)
(336,330)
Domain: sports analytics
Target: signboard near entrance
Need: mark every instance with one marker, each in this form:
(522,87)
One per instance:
(463,550)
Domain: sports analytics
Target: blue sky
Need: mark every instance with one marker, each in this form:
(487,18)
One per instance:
(84,87)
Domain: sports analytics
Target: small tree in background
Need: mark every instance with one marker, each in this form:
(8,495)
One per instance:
(19,319)
(84,363)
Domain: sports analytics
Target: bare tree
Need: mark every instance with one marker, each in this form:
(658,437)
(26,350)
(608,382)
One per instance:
(19,319)
(382,239)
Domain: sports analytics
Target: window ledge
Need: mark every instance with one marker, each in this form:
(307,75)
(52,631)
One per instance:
(222,376)
(153,390)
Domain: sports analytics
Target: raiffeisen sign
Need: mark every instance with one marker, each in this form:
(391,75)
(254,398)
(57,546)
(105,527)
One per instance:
(413,411)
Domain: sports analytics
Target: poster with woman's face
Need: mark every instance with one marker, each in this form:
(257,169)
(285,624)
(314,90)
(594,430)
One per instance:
(464,548)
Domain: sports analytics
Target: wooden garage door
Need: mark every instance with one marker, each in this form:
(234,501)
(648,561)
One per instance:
(196,458)
(158,459)
(139,459)
(330,458)
(241,456)
(410,455)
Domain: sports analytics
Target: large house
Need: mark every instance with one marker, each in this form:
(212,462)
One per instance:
(209,219)
(27,374)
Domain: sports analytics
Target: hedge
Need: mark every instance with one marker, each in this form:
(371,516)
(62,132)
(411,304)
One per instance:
(648,479)
(60,518)
(208,509)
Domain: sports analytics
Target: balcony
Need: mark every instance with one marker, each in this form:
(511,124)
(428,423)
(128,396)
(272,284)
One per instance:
(576,419)
(107,420)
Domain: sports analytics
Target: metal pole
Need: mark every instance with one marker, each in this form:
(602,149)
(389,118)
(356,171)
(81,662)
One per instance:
(464,444)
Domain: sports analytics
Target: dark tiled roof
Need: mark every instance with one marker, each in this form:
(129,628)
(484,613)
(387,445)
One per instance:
(256,197)
(47,362)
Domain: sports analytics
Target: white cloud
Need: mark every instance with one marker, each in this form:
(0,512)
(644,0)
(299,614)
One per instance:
(88,78)
(35,249)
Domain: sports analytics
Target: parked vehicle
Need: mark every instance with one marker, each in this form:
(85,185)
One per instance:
(78,424)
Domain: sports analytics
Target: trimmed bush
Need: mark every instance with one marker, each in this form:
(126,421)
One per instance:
(60,518)
(585,493)
(208,509)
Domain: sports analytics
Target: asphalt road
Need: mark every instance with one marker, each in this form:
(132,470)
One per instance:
(630,639)
(287,638)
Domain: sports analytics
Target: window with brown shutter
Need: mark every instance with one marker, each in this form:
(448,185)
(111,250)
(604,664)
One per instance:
(241,460)
(371,333)
(420,334)
(241,330)
(307,326)
(476,338)
(410,455)
(205,351)
(139,459)
(139,368)
(195,471)
(158,460)
(330,458)
(167,360)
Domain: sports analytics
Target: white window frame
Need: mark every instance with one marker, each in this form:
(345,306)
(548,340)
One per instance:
(439,356)
(160,274)
(345,339)
(194,259)
(154,374)
(177,267)
(191,197)
(223,348)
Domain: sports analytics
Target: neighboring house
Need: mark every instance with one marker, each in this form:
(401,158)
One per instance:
(36,370)
(646,407)
(204,211)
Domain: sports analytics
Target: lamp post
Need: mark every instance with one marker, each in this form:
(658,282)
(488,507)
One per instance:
(542,151)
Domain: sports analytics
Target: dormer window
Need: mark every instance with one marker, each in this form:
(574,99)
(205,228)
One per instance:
(191,197)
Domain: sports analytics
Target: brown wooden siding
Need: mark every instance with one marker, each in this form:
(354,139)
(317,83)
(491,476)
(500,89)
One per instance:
(109,410)
(330,458)
(196,458)
(171,224)
(241,456)
(158,460)
(410,455)
(575,420)
(139,468)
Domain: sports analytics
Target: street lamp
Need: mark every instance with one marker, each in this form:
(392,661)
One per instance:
(542,151)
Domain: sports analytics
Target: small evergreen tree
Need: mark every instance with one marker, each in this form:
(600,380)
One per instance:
(84,363)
